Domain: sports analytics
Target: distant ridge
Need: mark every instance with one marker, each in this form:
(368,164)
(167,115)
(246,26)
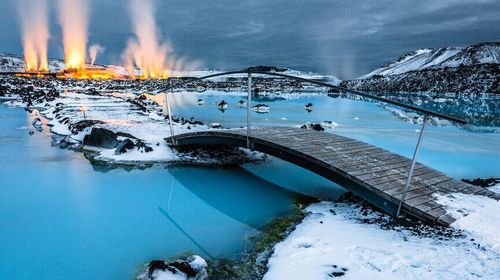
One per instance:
(437,58)
(474,69)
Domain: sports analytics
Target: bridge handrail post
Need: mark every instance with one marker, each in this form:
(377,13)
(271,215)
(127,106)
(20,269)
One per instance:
(169,112)
(413,162)
(249,112)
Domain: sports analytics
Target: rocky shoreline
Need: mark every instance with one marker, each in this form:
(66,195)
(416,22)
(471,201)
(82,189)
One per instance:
(117,130)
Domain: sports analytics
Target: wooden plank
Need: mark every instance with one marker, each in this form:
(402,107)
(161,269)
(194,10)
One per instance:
(390,176)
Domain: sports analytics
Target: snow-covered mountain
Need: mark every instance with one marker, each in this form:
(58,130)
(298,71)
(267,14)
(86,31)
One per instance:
(439,58)
(15,63)
(474,69)
(476,54)
(416,60)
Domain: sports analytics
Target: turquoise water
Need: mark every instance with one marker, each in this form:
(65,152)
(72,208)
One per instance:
(62,218)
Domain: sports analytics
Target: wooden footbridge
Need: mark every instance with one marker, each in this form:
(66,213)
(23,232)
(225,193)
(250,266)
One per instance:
(372,173)
(395,184)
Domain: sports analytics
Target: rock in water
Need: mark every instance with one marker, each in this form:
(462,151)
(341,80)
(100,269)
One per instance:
(330,124)
(37,124)
(314,126)
(222,105)
(102,138)
(261,108)
(485,183)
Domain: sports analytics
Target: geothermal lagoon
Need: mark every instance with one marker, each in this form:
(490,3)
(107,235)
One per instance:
(66,218)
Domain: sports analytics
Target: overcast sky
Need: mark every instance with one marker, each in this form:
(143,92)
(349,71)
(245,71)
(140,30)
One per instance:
(344,38)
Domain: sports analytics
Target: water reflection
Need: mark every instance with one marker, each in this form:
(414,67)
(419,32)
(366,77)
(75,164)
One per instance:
(242,201)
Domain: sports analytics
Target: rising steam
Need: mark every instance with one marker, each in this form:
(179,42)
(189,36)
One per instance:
(145,51)
(35,33)
(94,50)
(73,19)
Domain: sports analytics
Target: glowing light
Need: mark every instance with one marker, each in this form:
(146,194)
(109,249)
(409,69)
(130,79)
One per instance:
(73,19)
(75,60)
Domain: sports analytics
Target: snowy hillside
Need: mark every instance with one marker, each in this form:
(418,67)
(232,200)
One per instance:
(416,60)
(439,58)
(476,54)
(471,70)
(15,63)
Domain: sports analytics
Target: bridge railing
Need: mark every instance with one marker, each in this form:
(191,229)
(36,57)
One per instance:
(249,71)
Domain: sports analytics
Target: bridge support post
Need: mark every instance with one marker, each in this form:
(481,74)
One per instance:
(413,162)
(169,112)
(249,112)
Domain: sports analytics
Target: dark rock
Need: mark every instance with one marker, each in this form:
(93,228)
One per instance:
(184,267)
(264,68)
(338,271)
(193,267)
(222,105)
(37,124)
(64,144)
(92,91)
(124,146)
(333,90)
(261,108)
(126,135)
(102,138)
(314,126)
(81,125)
(156,265)
(141,146)
(484,183)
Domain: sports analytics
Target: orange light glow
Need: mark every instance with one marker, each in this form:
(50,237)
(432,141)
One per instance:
(73,16)
(98,73)
(75,60)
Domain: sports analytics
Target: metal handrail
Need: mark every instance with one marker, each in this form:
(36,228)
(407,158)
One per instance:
(356,92)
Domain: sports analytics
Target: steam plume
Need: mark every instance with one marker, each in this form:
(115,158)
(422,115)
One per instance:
(145,51)
(35,33)
(94,50)
(73,19)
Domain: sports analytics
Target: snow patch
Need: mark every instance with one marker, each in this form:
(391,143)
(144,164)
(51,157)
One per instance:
(331,242)
(477,215)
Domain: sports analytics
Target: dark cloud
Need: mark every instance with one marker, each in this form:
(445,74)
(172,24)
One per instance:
(345,38)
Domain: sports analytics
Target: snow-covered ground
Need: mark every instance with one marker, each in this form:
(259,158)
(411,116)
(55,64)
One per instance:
(121,114)
(341,240)
(118,115)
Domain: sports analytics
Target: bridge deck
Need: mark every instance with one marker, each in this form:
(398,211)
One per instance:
(373,173)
